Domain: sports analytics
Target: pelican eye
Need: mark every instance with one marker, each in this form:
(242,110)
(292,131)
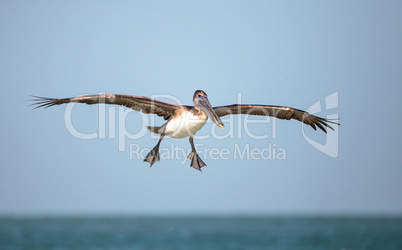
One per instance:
(199,95)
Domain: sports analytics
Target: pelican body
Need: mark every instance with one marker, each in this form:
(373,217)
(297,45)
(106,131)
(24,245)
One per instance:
(185,121)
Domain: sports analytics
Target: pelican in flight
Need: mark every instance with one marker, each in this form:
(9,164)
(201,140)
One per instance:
(183,121)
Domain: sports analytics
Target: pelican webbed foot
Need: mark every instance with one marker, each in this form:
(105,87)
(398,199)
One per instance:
(152,156)
(196,161)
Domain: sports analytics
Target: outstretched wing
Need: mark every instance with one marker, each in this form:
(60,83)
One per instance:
(280,112)
(137,103)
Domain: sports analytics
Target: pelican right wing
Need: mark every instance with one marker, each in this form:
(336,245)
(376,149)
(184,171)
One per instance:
(137,103)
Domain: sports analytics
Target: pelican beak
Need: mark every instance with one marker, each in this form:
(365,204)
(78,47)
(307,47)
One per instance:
(207,108)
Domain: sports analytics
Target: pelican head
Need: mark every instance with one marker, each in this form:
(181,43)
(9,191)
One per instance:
(201,102)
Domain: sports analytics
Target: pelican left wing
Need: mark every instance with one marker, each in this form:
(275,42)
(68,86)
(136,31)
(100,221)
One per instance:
(280,112)
(137,103)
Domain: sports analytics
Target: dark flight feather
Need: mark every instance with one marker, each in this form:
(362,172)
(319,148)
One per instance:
(280,112)
(137,103)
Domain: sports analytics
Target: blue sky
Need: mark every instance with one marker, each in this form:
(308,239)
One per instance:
(269,52)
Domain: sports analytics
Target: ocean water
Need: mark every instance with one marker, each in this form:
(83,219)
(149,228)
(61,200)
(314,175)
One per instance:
(201,233)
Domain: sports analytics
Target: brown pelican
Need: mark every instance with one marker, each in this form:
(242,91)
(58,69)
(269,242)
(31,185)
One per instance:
(183,121)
